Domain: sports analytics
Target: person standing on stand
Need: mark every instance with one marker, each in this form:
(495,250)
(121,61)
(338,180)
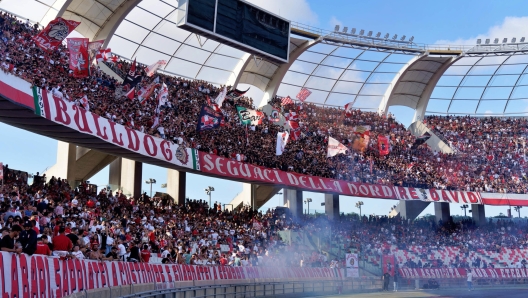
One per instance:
(469,279)
(386,280)
(395,281)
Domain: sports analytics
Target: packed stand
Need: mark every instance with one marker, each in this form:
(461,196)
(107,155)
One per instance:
(500,167)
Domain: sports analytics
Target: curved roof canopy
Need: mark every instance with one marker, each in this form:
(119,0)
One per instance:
(337,67)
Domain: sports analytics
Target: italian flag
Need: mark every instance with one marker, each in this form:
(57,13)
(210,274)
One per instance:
(40,98)
(195,159)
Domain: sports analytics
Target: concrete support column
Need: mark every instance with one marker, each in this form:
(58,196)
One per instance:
(176,185)
(126,174)
(479,215)
(411,209)
(332,205)
(65,166)
(442,212)
(293,199)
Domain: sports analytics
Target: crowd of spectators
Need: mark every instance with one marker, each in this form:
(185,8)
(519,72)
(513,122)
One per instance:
(489,156)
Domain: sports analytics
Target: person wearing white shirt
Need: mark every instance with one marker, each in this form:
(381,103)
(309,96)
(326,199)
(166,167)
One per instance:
(121,250)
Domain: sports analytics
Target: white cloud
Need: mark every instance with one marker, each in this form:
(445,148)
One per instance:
(293,10)
(510,27)
(334,21)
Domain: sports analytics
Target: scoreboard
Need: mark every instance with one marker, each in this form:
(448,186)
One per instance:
(239,24)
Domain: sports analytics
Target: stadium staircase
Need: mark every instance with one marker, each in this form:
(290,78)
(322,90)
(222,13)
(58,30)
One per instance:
(418,129)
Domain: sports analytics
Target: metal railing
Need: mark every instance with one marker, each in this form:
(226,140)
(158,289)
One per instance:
(412,284)
(257,289)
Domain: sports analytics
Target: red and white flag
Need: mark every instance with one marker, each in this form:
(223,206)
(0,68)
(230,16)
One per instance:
(52,36)
(146,91)
(282,140)
(163,95)
(93,49)
(348,109)
(335,147)
(292,116)
(151,69)
(219,100)
(303,94)
(286,101)
(84,102)
(78,48)
(103,55)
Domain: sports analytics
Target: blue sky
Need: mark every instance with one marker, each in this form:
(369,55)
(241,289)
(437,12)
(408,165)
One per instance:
(430,22)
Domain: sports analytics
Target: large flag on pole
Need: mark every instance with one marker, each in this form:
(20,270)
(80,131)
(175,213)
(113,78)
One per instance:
(52,36)
(286,101)
(383,145)
(282,140)
(78,48)
(146,91)
(235,93)
(132,79)
(219,100)
(250,117)
(335,147)
(151,69)
(303,94)
(209,119)
(348,109)
(103,55)
(93,49)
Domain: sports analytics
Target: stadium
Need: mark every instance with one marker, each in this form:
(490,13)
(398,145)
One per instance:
(237,105)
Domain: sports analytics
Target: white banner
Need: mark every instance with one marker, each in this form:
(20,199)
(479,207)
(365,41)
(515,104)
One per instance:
(352,265)
(67,113)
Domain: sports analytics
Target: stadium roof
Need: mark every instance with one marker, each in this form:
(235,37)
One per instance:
(338,68)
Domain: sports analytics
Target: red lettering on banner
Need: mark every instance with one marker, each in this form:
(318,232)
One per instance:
(403,193)
(79,276)
(114,279)
(34,278)
(116,139)
(102,135)
(160,271)
(413,193)
(122,273)
(58,278)
(454,195)
(104,277)
(70,273)
(473,199)
(133,139)
(133,274)
(445,197)
(96,274)
(80,119)
(24,270)
(434,195)
(62,112)
(216,275)
(166,150)
(140,272)
(169,273)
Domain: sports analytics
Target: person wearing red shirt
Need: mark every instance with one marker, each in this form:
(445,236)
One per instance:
(42,246)
(62,242)
(223,260)
(145,254)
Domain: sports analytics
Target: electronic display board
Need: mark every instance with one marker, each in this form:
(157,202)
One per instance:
(238,24)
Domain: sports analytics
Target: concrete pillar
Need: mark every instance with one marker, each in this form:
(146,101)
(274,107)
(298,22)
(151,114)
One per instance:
(293,199)
(479,215)
(332,205)
(442,212)
(176,185)
(126,174)
(411,209)
(65,166)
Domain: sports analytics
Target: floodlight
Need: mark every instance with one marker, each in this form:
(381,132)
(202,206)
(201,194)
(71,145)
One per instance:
(514,40)
(487,41)
(395,36)
(522,39)
(504,40)
(402,38)
(345,29)
(479,41)
(361,32)
(386,36)
(496,40)
(411,39)
(369,34)
(336,28)
(378,35)
(353,31)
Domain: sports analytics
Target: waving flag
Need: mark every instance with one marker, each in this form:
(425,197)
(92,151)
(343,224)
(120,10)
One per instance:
(151,69)
(286,101)
(209,119)
(335,147)
(131,80)
(348,109)
(103,55)
(146,91)
(250,117)
(233,94)
(52,36)
(93,49)
(383,145)
(303,94)
(84,102)
(219,100)
(282,140)
(78,48)
(163,95)
(420,140)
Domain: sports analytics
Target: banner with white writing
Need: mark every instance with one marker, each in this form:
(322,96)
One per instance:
(78,48)
(352,268)
(460,273)
(46,277)
(249,116)
(68,114)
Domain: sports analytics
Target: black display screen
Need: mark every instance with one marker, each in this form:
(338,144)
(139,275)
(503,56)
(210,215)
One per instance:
(251,26)
(202,13)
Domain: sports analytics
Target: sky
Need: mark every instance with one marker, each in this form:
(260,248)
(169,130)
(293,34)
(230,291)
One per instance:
(430,22)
